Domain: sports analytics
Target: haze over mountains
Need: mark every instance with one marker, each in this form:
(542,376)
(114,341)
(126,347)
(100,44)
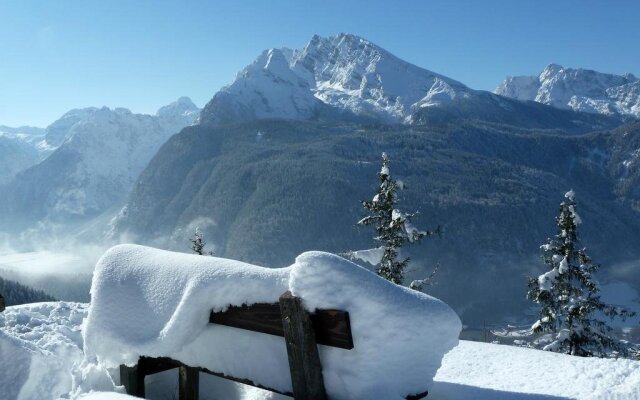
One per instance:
(96,154)
(20,148)
(280,159)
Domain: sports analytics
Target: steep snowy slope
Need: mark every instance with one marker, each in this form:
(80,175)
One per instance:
(351,73)
(101,152)
(345,72)
(577,89)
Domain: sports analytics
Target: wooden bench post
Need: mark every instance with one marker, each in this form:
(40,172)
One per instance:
(2,304)
(188,383)
(302,350)
(133,380)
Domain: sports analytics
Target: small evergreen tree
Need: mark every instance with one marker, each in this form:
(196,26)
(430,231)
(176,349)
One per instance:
(393,227)
(198,243)
(568,295)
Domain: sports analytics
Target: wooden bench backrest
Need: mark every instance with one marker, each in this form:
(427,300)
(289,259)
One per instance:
(331,327)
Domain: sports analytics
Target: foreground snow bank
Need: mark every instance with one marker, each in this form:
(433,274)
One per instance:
(157,303)
(484,371)
(39,343)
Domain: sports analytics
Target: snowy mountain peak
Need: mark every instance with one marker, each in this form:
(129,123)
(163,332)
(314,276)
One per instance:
(277,61)
(182,107)
(577,89)
(344,72)
(58,131)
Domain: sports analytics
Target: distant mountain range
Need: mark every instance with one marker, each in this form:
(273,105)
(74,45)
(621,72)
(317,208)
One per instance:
(95,156)
(577,89)
(346,77)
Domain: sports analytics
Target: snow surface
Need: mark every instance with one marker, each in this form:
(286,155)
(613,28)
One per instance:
(371,256)
(577,89)
(489,371)
(168,296)
(41,342)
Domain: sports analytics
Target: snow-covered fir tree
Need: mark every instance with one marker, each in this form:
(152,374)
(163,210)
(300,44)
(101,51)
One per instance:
(393,228)
(568,295)
(198,243)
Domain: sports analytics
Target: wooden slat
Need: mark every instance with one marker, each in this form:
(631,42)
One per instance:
(132,380)
(133,377)
(302,350)
(152,365)
(260,317)
(331,327)
(188,383)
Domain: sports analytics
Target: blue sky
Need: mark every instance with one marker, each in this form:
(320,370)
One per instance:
(59,55)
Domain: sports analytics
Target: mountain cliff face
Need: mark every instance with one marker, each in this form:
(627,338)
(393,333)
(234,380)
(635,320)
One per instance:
(577,89)
(344,73)
(98,155)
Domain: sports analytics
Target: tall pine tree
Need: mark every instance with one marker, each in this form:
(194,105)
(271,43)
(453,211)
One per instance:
(568,295)
(393,227)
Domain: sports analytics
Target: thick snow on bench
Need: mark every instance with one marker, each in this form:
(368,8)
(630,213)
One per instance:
(156,303)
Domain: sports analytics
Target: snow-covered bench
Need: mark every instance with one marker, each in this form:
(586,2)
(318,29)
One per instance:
(153,310)
(301,330)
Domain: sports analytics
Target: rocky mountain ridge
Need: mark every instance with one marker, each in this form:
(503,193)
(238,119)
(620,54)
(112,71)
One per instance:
(577,89)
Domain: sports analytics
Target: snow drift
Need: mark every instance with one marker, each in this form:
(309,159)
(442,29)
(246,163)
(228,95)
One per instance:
(156,303)
(39,343)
